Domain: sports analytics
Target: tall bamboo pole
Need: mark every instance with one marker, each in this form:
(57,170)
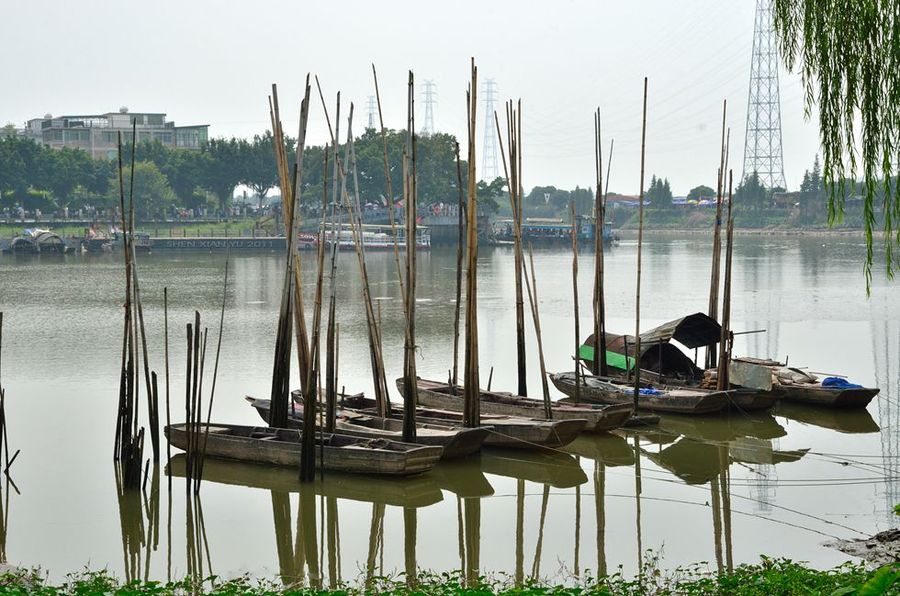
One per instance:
(575,301)
(717,243)
(336,208)
(410,381)
(722,380)
(472,392)
(637,301)
(459,268)
(390,193)
(598,365)
(533,302)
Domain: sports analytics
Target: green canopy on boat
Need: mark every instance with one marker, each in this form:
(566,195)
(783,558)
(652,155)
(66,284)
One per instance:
(614,359)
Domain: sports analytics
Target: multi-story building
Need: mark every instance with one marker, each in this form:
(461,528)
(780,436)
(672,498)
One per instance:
(99,134)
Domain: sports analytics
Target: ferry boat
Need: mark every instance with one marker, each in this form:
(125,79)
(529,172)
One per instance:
(375,237)
(544,231)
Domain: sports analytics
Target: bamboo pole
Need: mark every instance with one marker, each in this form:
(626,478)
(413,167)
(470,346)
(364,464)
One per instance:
(598,365)
(472,392)
(637,302)
(336,208)
(410,380)
(722,380)
(459,269)
(533,302)
(575,300)
(511,174)
(717,243)
(390,193)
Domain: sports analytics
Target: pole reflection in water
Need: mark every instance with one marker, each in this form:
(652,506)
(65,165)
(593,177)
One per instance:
(600,512)
(409,545)
(538,547)
(637,504)
(520,532)
(139,537)
(376,542)
(196,544)
(472,516)
(4,519)
(575,566)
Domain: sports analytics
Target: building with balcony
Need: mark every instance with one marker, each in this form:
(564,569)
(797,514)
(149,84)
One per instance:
(98,134)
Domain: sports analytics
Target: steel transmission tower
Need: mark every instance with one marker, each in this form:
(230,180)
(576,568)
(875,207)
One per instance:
(371,110)
(428,90)
(762,144)
(489,165)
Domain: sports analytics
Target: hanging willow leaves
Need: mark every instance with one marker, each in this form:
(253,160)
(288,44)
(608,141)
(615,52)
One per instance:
(848,54)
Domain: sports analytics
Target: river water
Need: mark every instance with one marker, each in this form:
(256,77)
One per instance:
(718,490)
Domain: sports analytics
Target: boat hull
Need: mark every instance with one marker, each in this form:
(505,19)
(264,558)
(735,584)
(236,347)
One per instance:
(816,395)
(676,401)
(455,442)
(282,447)
(597,419)
(506,431)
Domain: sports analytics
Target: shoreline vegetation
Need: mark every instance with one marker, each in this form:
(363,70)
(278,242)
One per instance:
(768,577)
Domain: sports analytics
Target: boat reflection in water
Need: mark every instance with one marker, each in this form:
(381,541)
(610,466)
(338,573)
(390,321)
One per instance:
(854,421)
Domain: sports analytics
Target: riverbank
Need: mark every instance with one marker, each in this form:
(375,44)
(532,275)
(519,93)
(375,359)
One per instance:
(770,577)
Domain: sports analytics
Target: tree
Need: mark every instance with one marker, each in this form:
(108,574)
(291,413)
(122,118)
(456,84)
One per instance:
(751,194)
(258,164)
(660,193)
(701,192)
(812,191)
(152,194)
(848,54)
(222,172)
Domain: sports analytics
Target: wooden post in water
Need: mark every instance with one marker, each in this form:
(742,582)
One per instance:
(459,268)
(713,311)
(575,301)
(722,380)
(472,391)
(410,380)
(533,302)
(330,348)
(637,300)
(515,203)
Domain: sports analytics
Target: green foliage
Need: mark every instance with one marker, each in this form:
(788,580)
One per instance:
(769,577)
(849,56)
(659,194)
(153,196)
(701,192)
(751,194)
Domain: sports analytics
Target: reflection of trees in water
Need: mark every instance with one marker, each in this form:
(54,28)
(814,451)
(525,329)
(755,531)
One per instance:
(886,355)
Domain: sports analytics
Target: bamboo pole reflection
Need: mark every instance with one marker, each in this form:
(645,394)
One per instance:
(637,501)
(139,537)
(376,533)
(520,532)
(472,516)
(600,512)
(410,527)
(538,547)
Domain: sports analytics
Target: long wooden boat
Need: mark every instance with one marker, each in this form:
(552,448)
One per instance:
(554,468)
(281,446)
(455,441)
(843,421)
(510,432)
(677,400)
(599,418)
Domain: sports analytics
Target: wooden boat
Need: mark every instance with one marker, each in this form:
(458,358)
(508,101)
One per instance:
(678,400)
(598,419)
(511,432)
(455,441)
(801,386)
(610,449)
(413,491)
(281,446)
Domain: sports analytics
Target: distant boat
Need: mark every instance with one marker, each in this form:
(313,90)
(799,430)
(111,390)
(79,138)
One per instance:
(340,453)
(545,230)
(374,237)
(34,241)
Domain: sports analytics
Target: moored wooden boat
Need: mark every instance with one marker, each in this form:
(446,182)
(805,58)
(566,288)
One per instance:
(281,446)
(456,441)
(510,432)
(598,418)
(677,400)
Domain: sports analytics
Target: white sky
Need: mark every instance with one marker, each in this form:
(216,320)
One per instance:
(212,62)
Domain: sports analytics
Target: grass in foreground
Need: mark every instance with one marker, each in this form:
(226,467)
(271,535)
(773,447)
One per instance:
(770,577)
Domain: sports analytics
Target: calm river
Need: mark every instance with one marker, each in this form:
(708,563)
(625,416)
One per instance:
(722,490)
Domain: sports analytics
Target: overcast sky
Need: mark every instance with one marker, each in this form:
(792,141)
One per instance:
(212,62)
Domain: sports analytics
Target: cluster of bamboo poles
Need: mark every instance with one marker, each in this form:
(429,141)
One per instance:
(471,391)
(129,442)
